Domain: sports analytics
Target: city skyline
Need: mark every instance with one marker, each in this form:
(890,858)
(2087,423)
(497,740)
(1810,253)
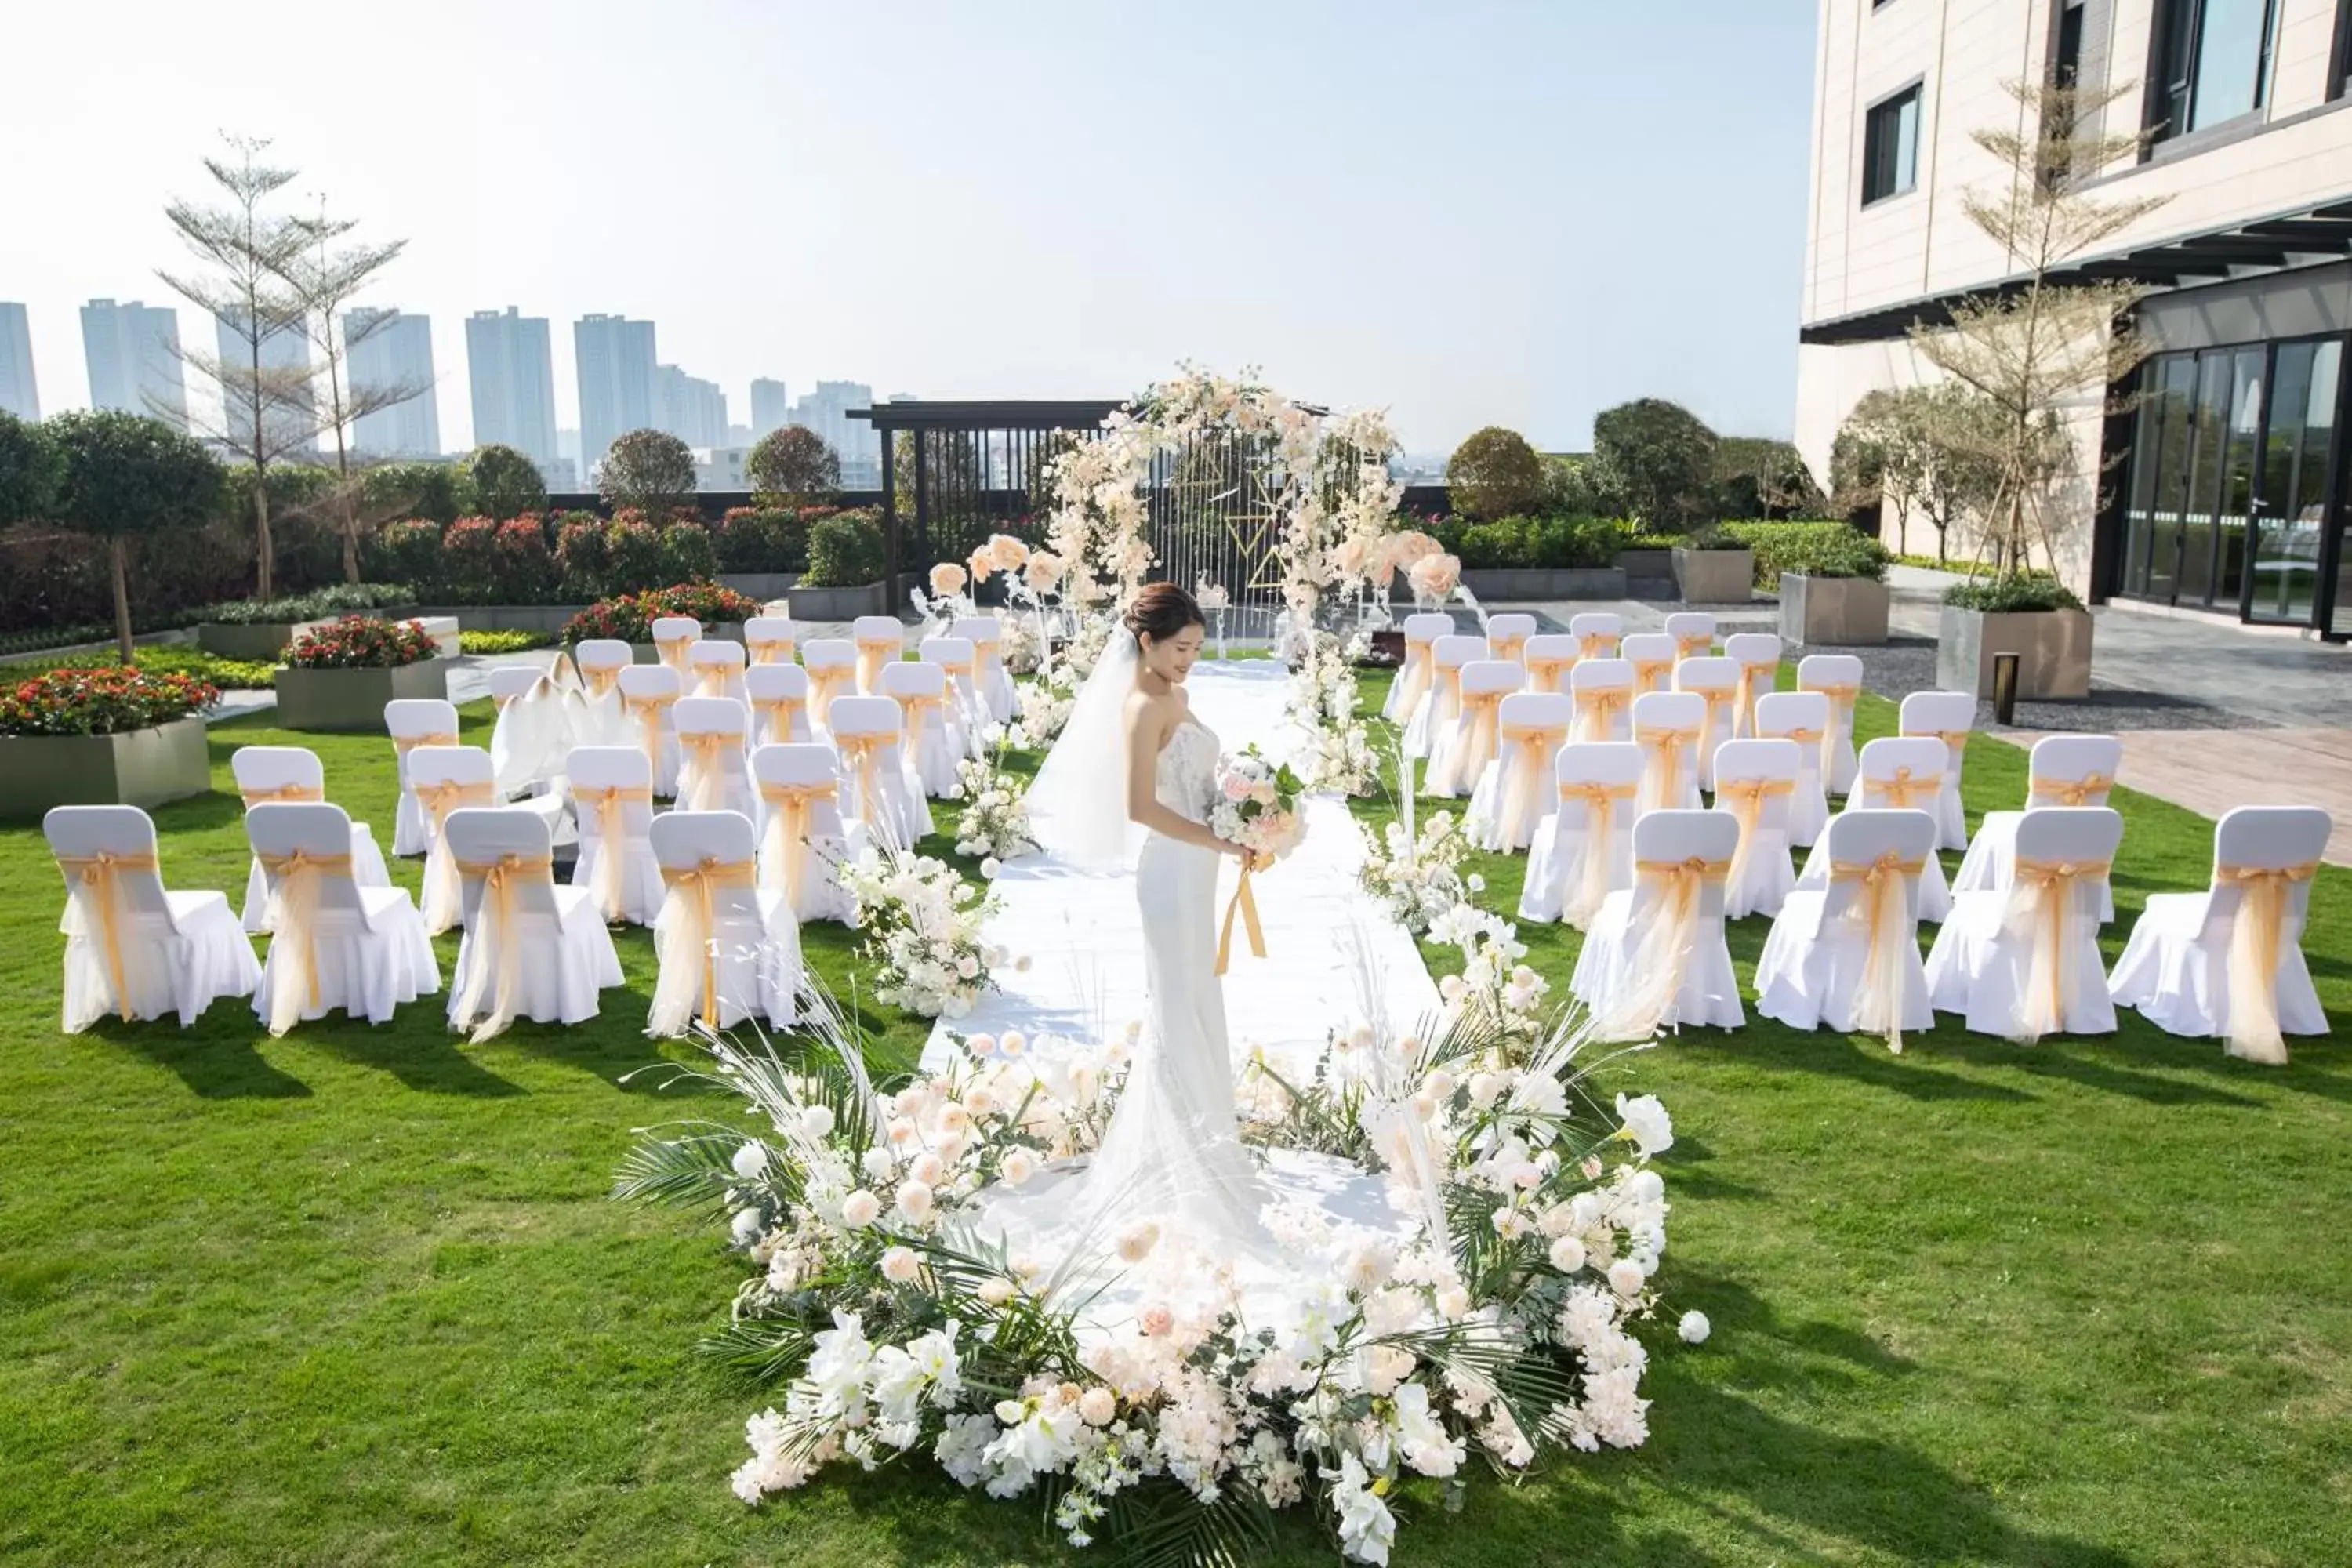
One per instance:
(132,353)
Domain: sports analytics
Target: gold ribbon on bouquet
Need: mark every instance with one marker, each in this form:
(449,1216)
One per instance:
(1599,801)
(298,792)
(600,680)
(1748,797)
(1694,645)
(647,711)
(862,753)
(2041,893)
(672,651)
(1885,903)
(915,710)
(1245,904)
(696,927)
(1597,709)
(1509,648)
(873,654)
(611,804)
(1596,645)
(1413,679)
(1548,674)
(499,877)
(1475,726)
(443,902)
(768,650)
(1904,791)
(1527,752)
(1661,771)
(99,874)
(1840,728)
(2090,789)
(2257,940)
(1755,679)
(706,750)
(792,829)
(827,681)
(781,715)
(293,951)
(1652,674)
(1663,956)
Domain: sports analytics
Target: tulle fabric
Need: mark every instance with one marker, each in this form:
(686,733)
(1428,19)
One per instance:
(1077,804)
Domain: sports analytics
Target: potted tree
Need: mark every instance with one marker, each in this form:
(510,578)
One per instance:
(118,476)
(340,676)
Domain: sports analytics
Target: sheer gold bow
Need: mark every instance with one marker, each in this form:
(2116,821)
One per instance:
(827,681)
(672,651)
(285,792)
(1886,906)
(647,711)
(293,949)
(1840,728)
(1956,742)
(1507,647)
(443,903)
(1596,645)
(792,829)
(1694,645)
(1600,801)
(873,654)
(1529,750)
(1549,674)
(611,805)
(768,650)
(703,756)
(600,680)
(1747,798)
(2090,789)
(1662,771)
(2257,942)
(711,675)
(696,926)
(1652,674)
(97,874)
(1662,956)
(777,718)
(1905,791)
(1598,709)
(915,710)
(862,753)
(2041,895)
(1756,679)
(1412,681)
(404,745)
(494,926)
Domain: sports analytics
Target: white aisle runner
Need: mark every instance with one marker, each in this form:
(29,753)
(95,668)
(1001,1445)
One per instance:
(1083,935)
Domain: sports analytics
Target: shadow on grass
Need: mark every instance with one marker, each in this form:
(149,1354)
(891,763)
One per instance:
(1686,1169)
(426,1058)
(219,1059)
(1857,1058)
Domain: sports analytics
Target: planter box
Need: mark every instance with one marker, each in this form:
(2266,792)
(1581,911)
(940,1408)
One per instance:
(545,619)
(1649,574)
(761,586)
(1715,576)
(1539,585)
(1832,612)
(352,698)
(139,767)
(259,643)
(837,603)
(442,629)
(2053,649)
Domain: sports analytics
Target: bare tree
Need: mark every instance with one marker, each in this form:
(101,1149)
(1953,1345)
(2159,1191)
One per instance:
(266,410)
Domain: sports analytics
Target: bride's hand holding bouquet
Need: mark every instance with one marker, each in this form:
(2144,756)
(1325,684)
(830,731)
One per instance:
(1257,811)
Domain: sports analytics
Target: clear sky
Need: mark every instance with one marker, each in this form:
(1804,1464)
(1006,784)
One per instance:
(1468,213)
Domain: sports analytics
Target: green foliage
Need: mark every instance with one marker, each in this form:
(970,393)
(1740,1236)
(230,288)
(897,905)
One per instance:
(793,466)
(1756,477)
(634,561)
(1662,456)
(687,554)
(763,538)
(2026,591)
(1553,542)
(1814,549)
(436,491)
(1581,486)
(506,484)
(411,550)
(502,642)
(228,674)
(30,467)
(651,470)
(584,553)
(335,599)
(123,473)
(1495,473)
(1713,536)
(844,551)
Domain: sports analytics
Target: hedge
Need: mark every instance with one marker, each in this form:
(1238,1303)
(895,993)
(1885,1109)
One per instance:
(1815,549)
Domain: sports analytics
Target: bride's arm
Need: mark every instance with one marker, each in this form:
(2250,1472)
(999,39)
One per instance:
(1143,805)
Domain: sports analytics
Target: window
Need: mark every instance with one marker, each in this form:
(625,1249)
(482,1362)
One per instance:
(2211,62)
(1890,147)
(2066,60)
(2339,69)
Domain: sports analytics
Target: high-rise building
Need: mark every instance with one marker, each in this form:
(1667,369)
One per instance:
(389,349)
(19,396)
(2221,487)
(133,352)
(826,412)
(617,394)
(512,378)
(771,409)
(688,407)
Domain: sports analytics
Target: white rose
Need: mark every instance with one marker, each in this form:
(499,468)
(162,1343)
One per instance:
(860,1209)
(966,968)
(1568,1255)
(915,1200)
(817,1120)
(898,1266)
(751,1161)
(1625,1276)
(990,867)
(1453,1301)
(1485,1087)
(1694,1328)
(995,1292)
(981,1045)
(926,1169)
(1648,1126)
(878,1164)
(1019,1166)
(1097,1406)
(1137,1241)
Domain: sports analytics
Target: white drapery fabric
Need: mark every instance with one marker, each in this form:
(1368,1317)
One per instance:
(339,946)
(1846,955)
(2024,961)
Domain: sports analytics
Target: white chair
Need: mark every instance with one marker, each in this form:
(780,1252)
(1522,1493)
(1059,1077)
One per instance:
(1655,957)
(1802,717)
(448,779)
(1897,774)
(717,668)
(877,787)
(832,666)
(2023,961)
(1948,717)
(1755,780)
(1413,679)
(779,695)
(1547,658)
(508,682)
(538,723)
(1598,634)
(1461,754)
(1507,635)
(1694,633)
(1668,727)
(1584,850)
(1758,655)
(414,721)
(1515,790)
(802,840)
(922,692)
(293,773)
(993,681)
(600,662)
(2229,961)
(132,948)
(339,946)
(673,636)
(1714,680)
(1652,657)
(1602,687)
(649,697)
(1838,677)
(968,713)
(879,639)
(770,640)
(1434,719)
(1846,954)
(612,787)
(531,949)
(2061,770)
(728,948)
(714,737)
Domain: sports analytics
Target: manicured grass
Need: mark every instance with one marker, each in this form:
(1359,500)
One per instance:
(358,1295)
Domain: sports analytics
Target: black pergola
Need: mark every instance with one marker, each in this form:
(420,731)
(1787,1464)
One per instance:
(972,464)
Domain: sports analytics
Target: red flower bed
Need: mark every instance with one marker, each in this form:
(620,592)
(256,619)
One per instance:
(630,617)
(359,642)
(101,702)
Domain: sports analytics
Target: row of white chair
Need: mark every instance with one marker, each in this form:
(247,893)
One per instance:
(875,642)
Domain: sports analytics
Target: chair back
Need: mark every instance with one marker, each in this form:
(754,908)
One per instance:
(1801,717)
(1537,709)
(905,680)
(641,680)
(1454,650)
(2072,770)
(1548,658)
(766,685)
(1669,838)
(2263,839)
(795,764)
(712,716)
(863,716)
(878,628)
(319,830)
(2072,836)
(1752,648)
(1612,765)
(1656,711)
(1694,633)
(829,653)
(1941,714)
(431,766)
(668,631)
(879,640)
(290,772)
(1710,672)
(1424,627)
(1596,623)
(592,770)
(1900,772)
(716,667)
(1603,691)
(413,718)
(955,655)
(1507,635)
(1758,776)
(87,832)
(480,838)
(1653,656)
(508,682)
(683,840)
(770,640)
(978,630)
(1863,837)
(1829,672)
(1488,676)
(600,662)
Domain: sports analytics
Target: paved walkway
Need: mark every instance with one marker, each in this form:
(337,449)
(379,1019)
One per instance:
(2210,771)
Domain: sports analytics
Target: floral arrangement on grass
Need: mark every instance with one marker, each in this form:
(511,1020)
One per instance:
(1419,882)
(1037,578)
(109,700)
(1321,700)
(630,617)
(1046,704)
(362,642)
(949,600)
(996,822)
(920,923)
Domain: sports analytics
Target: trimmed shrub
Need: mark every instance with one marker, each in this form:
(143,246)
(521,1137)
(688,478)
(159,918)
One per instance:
(630,616)
(505,483)
(584,551)
(2018,595)
(633,553)
(1663,456)
(362,642)
(411,553)
(469,561)
(1815,549)
(526,567)
(765,538)
(1555,543)
(501,642)
(316,605)
(688,555)
(1496,474)
(844,551)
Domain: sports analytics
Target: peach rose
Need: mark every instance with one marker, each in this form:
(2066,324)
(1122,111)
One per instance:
(1044,569)
(1437,575)
(947,577)
(1010,552)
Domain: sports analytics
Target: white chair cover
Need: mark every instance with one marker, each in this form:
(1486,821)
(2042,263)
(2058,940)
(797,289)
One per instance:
(1897,774)
(801,841)
(132,948)
(650,694)
(2061,770)
(673,636)
(1434,720)
(538,721)
(1655,957)
(1652,657)
(2024,961)
(531,949)
(1547,658)
(717,669)
(832,666)
(1602,687)
(1948,717)
(1694,633)
(447,779)
(1584,850)
(1838,677)
(1846,954)
(1758,655)
(611,789)
(2228,962)
(1754,781)
(1598,634)
(1412,681)
(1802,717)
(600,662)
(1668,727)
(967,712)
(293,773)
(1714,680)
(1516,788)
(714,735)
(339,946)
(770,639)
(992,681)
(877,788)
(729,950)
(779,695)
(1468,743)
(879,639)
(922,692)
(414,721)
(1507,633)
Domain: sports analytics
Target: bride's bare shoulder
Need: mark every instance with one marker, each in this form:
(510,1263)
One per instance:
(1158,711)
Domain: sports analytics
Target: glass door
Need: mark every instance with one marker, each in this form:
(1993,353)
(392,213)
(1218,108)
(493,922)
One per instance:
(2292,511)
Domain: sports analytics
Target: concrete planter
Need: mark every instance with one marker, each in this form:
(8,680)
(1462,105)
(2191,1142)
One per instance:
(1537,584)
(258,642)
(2053,649)
(138,767)
(1832,612)
(353,700)
(837,603)
(1649,574)
(760,585)
(1715,576)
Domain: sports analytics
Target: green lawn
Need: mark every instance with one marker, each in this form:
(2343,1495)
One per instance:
(358,1296)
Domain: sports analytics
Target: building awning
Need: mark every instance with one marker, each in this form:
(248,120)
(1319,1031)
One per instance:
(1036,414)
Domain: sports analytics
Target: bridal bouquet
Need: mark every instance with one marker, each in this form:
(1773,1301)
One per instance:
(921,923)
(1257,805)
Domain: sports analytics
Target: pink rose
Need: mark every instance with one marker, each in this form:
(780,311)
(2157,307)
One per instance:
(1156,1320)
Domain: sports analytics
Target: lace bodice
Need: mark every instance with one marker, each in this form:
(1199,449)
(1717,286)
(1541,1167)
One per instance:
(1186,775)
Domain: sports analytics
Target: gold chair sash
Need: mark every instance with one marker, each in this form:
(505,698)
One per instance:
(499,877)
(599,680)
(1599,801)
(768,650)
(98,873)
(404,745)
(1956,742)
(1597,708)
(1755,680)
(1528,750)
(1549,674)
(1905,791)
(1596,645)
(872,653)
(611,806)
(986,654)
(792,829)
(827,681)
(1886,904)
(914,714)
(1412,681)
(647,713)
(1695,645)
(2257,941)
(1661,772)
(672,651)
(781,715)
(1663,955)
(1445,692)
(1652,674)
(1469,757)
(698,926)
(2041,893)
(1840,728)
(706,750)
(2090,789)
(864,755)
(285,792)
(1509,649)
(1748,797)
(443,903)
(710,680)
(294,887)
